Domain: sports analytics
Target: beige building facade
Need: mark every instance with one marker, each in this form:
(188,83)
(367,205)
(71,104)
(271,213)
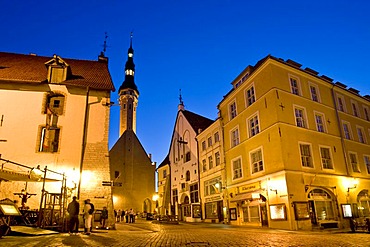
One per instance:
(55,115)
(296,148)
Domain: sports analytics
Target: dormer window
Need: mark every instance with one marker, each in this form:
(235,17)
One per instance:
(58,70)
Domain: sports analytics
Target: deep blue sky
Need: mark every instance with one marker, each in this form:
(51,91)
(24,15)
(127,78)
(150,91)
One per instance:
(198,46)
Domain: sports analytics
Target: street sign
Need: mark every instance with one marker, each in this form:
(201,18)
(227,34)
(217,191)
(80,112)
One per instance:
(106,183)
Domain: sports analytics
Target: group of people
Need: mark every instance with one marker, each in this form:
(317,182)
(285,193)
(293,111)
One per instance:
(74,210)
(128,215)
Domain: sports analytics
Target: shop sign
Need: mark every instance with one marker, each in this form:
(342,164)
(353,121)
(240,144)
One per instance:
(249,187)
(213,199)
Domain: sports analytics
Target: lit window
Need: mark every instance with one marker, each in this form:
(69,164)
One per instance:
(234,137)
(237,168)
(204,145)
(306,156)
(256,160)
(209,141)
(253,125)
(217,158)
(354,163)
(217,137)
(294,86)
(326,158)
(212,186)
(367,163)
(300,117)
(210,162)
(251,98)
(320,122)
(232,110)
(49,139)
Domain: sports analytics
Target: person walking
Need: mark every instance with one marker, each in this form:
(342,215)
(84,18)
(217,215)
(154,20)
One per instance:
(73,211)
(88,213)
(127,215)
(104,216)
(132,216)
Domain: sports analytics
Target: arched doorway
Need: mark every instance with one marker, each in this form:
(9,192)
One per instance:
(147,206)
(321,206)
(363,201)
(185,207)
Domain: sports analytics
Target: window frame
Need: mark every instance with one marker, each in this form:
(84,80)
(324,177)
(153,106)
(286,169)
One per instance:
(322,158)
(209,141)
(316,87)
(217,158)
(252,97)
(232,110)
(250,128)
(296,90)
(355,108)
(361,138)
(234,140)
(367,162)
(366,112)
(239,169)
(341,103)
(350,155)
(348,135)
(322,115)
(303,117)
(252,163)
(310,156)
(216,136)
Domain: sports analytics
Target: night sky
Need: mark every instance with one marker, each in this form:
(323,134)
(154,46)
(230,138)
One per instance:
(196,46)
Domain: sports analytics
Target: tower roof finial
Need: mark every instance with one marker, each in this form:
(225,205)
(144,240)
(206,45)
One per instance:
(181,105)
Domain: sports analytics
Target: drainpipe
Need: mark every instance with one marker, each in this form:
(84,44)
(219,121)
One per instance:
(340,130)
(83,144)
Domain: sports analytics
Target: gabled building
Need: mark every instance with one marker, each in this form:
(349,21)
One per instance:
(296,148)
(164,187)
(132,171)
(54,115)
(184,166)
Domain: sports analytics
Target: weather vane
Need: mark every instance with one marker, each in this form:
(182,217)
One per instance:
(105,42)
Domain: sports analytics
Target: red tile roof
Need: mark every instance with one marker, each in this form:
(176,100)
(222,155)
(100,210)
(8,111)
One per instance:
(31,69)
(196,121)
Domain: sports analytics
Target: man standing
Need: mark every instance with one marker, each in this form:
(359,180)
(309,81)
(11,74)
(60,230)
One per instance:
(73,210)
(88,214)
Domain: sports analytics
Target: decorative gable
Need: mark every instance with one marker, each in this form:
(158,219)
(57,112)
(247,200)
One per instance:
(58,70)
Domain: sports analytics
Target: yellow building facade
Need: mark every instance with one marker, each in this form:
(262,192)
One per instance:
(296,148)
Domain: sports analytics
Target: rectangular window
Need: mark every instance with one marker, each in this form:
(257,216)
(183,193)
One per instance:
(326,158)
(204,145)
(194,193)
(355,109)
(49,140)
(366,113)
(209,141)
(294,85)
(256,160)
(347,131)
(217,137)
(232,109)
(319,118)
(217,158)
(237,168)
(354,163)
(212,186)
(204,164)
(164,173)
(251,98)
(187,156)
(210,162)
(253,125)
(175,196)
(234,137)
(361,135)
(300,117)
(367,163)
(341,103)
(306,156)
(314,90)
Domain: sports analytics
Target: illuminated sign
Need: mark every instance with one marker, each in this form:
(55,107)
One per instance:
(347,210)
(278,212)
(250,187)
(9,210)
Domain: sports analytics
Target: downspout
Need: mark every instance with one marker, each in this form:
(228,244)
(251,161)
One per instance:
(340,130)
(83,144)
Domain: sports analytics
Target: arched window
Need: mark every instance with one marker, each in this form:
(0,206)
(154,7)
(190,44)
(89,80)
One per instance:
(363,204)
(187,175)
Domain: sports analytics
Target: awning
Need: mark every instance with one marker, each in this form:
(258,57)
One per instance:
(245,196)
(25,177)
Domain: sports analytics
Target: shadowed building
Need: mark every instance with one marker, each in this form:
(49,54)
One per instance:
(132,170)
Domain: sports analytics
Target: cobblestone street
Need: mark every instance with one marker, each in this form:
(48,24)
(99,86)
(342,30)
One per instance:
(145,233)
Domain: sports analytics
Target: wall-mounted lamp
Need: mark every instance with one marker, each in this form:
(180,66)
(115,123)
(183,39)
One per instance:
(274,190)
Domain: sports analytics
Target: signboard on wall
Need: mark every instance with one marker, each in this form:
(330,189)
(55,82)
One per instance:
(278,212)
(301,210)
(249,187)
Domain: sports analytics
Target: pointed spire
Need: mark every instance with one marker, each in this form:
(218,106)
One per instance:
(102,57)
(181,106)
(129,70)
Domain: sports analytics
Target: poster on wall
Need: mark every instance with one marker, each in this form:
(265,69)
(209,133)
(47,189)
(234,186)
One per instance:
(347,210)
(301,210)
(233,214)
(278,212)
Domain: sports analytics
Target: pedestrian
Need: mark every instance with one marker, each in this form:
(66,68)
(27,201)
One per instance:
(104,216)
(118,218)
(127,215)
(123,215)
(88,213)
(73,211)
(132,216)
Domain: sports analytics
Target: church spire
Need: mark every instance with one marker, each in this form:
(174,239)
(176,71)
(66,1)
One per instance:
(181,106)
(129,81)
